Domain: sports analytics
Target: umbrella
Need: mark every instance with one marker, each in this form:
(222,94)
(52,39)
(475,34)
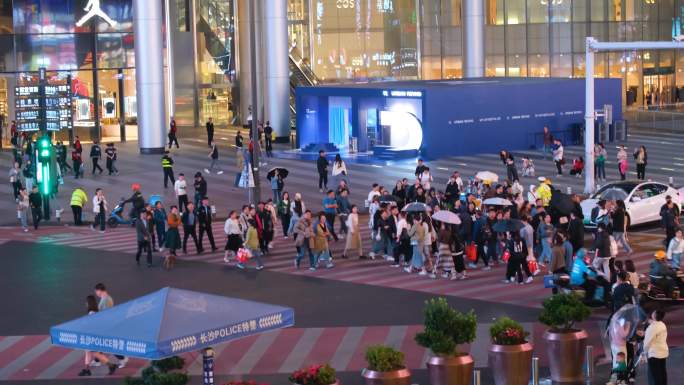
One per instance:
(447,217)
(510,225)
(416,207)
(283,172)
(561,203)
(487,175)
(169,322)
(497,202)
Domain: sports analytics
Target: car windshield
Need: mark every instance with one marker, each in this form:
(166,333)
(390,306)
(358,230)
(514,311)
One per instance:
(616,191)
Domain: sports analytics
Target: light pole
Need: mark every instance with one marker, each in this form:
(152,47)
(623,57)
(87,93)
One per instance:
(255,192)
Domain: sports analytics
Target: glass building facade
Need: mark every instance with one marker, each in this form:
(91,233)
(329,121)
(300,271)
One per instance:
(349,40)
(339,40)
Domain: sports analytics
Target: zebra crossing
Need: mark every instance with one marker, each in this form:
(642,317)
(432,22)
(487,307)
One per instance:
(480,285)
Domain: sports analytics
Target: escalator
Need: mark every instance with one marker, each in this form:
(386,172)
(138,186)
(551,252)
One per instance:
(300,75)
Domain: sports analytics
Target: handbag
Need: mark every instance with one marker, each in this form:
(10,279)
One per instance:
(506,256)
(533,266)
(243,255)
(471,252)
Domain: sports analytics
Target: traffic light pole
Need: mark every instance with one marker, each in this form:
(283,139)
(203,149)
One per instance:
(44,153)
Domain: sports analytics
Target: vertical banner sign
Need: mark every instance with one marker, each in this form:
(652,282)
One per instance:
(208,366)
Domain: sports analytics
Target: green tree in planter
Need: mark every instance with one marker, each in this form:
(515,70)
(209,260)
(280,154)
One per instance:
(446,328)
(560,312)
(159,373)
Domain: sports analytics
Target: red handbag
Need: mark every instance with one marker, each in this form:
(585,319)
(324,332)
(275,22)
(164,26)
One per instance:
(532,265)
(506,256)
(471,252)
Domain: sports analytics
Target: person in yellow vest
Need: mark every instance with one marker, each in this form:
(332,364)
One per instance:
(544,191)
(167,167)
(78,201)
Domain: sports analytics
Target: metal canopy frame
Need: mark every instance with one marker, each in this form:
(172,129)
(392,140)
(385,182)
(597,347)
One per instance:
(593,46)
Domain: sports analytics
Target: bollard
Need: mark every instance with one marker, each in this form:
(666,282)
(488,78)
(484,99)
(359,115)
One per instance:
(589,362)
(671,181)
(535,370)
(569,190)
(208,366)
(476,377)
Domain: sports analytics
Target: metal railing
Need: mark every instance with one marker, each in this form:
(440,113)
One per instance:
(662,120)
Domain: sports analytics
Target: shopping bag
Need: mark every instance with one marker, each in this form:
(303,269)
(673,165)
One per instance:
(506,256)
(532,265)
(471,252)
(548,281)
(243,255)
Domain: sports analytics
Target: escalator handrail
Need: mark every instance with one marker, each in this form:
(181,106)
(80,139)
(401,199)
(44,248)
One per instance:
(306,73)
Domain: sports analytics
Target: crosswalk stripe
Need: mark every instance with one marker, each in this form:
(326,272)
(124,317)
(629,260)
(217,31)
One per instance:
(24,359)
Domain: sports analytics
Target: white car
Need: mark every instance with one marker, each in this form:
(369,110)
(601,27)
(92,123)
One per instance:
(643,200)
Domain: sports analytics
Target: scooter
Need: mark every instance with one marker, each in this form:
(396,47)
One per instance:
(116,216)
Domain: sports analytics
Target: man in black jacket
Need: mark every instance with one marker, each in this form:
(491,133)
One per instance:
(322,167)
(669,216)
(95,155)
(210,131)
(576,232)
(36,203)
(189,221)
(200,186)
(204,220)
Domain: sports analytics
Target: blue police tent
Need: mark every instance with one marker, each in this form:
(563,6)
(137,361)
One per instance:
(169,322)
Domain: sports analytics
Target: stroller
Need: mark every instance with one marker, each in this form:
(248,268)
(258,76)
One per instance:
(623,326)
(527,167)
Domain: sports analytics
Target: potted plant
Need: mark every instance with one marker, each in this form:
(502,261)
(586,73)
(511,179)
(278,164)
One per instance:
(385,367)
(161,372)
(315,375)
(445,330)
(510,355)
(565,344)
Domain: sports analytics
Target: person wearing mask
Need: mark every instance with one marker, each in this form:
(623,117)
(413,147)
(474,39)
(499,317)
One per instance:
(322,168)
(641,159)
(92,308)
(200,186)
(189,220)
(173,131)
(234,236)
(204,220)
(159,219)
(284,213)
(143,231)
(669,218)
(675,249)
(95,156)
(330,210)
(210,132)
(656,349)
(303,235)
(99,210)
(36,203)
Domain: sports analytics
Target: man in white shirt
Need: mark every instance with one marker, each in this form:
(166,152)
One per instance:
(180,188)
(655,348)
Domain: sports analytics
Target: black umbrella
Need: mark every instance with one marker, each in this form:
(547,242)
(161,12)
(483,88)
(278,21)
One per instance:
(416,207)
(283,172)
(510,225)
(561,203)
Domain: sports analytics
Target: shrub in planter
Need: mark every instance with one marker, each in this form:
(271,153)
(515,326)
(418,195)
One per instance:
(314,375)
(506,331)
(560,312)
(446,328)
(565,344)
(385,367)
(159,373)
(383,358)
(510,356)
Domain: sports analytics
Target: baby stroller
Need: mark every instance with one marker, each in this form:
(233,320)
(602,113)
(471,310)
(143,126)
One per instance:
(623,326)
